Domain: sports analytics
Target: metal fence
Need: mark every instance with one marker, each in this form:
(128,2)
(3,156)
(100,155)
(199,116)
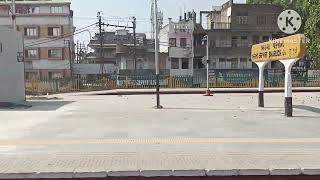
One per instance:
(216,80)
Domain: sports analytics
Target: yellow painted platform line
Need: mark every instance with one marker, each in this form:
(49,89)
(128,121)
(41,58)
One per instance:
(151,141)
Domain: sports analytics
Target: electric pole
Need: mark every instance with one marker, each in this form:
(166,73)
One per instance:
(134,23)
(156,46)
(13,11)
(77,60)
(152,19)
(67,42)
(102,68)
(71,59)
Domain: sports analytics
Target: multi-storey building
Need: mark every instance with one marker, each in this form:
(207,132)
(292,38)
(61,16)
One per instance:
(234,28)
(47,26)
(119,50)
(176,39)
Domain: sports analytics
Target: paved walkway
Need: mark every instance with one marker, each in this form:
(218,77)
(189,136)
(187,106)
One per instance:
(98,136)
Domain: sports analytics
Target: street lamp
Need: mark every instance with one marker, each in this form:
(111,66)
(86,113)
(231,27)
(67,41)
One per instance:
(206,39)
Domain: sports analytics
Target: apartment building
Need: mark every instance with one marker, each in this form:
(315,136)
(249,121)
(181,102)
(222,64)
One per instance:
(233,29)
(47,27)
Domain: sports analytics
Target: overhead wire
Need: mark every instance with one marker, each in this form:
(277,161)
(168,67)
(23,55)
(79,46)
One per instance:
(78,31)
(56,39)
(62,36)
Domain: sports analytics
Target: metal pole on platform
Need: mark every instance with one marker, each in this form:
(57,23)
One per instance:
(156,42)
(208,88)
(206,38)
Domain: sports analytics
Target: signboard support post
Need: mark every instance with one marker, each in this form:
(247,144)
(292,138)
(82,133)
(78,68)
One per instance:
(288,50)
(261,66)
(288,86)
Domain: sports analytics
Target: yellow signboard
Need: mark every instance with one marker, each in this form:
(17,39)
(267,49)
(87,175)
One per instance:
(291,47)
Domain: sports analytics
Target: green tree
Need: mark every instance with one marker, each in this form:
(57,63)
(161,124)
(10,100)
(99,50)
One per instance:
(312,28)
(310,12)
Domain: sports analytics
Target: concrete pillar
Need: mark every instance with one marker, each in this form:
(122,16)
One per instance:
(261,66)
(288,86)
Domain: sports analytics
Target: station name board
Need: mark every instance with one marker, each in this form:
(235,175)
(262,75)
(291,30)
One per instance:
(291,47)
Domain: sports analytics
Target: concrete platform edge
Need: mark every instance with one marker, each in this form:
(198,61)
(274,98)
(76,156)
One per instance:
(199,91)
(163,173)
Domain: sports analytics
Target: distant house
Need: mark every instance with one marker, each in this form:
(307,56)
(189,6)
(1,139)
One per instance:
(234,28)
(118,50)
(176,39)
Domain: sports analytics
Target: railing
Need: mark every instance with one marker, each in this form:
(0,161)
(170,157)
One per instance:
(223,79)
(220,25)
(36,87)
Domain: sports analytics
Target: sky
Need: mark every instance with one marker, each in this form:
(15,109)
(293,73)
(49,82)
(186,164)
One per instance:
(120,11)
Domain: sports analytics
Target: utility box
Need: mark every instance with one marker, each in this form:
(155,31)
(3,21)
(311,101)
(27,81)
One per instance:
(12,86)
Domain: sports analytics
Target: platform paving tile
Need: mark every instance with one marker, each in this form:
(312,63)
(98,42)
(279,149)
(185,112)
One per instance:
(181,165)
(100,136)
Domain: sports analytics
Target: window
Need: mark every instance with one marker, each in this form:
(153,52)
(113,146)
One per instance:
(55,53)
(27,9)
(56,9)
(243,42)
(174,63)
(31,32)
(183,42)
(255,40)
(242,19)
(34,10)
(243,63)
(234,63)
(55,75)
(185,63)
(234,41)
(222,63)
(31,53)
(261,20)
(173,42)
(224,42)
(54,31)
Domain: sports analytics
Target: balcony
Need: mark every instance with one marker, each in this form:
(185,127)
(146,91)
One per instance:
(179,52)
(223,49)
(220,25)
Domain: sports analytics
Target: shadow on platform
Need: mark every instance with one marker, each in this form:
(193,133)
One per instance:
(307,108)
(36,106)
